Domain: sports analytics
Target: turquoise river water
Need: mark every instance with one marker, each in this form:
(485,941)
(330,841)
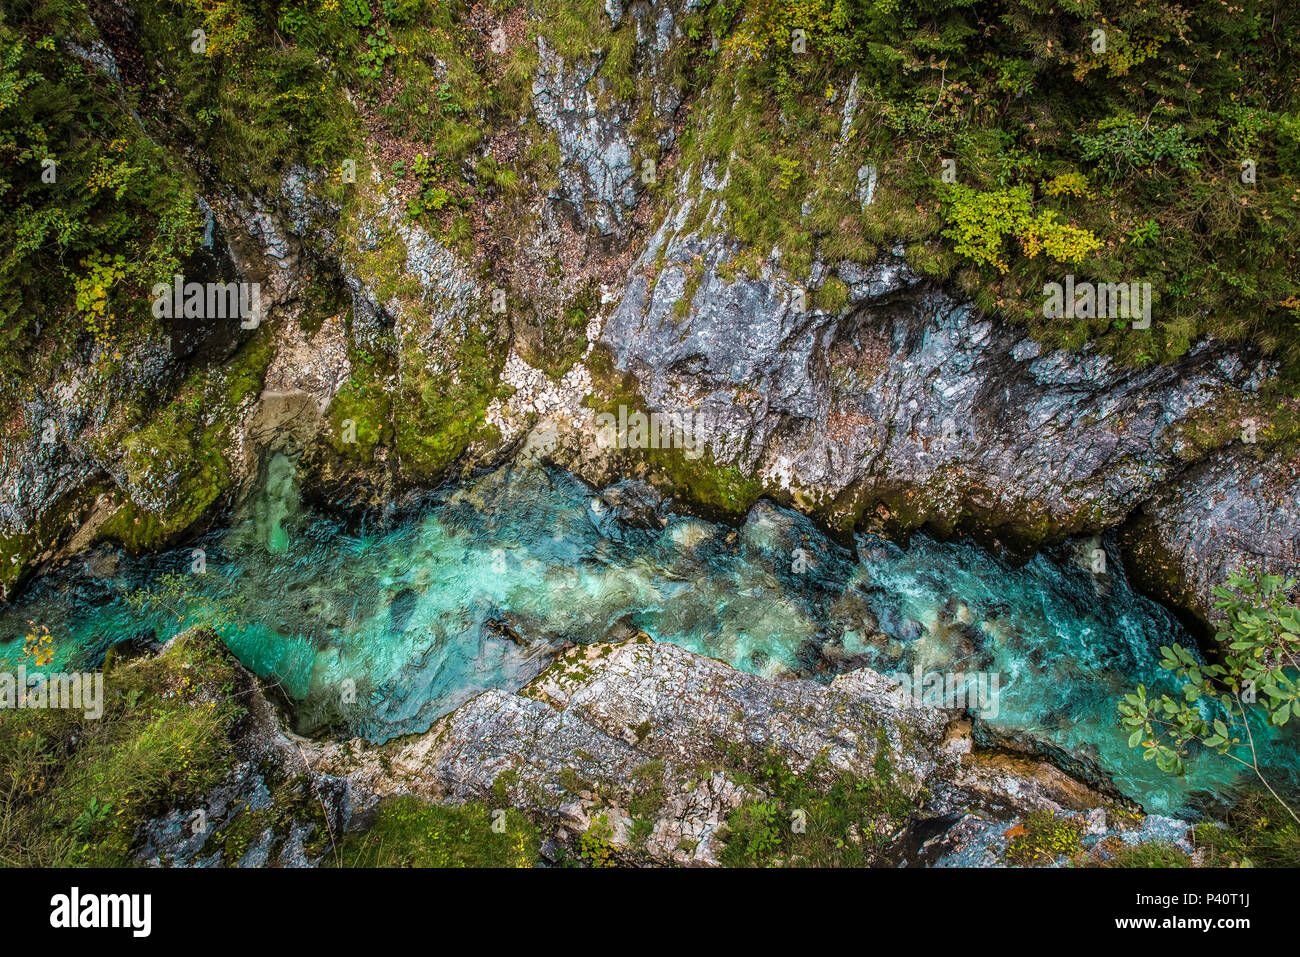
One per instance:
(473,586)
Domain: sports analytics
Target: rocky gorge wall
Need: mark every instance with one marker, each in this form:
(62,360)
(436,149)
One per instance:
(393,356)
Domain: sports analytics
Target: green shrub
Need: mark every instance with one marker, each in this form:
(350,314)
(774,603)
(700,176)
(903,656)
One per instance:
(1222,701)
(1042,837)
(75,789)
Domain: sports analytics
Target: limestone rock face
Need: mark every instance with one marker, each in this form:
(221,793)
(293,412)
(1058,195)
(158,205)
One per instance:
(606,725)
(648,747)
(911,401)
(603,162)
(1231,512)
(78,442)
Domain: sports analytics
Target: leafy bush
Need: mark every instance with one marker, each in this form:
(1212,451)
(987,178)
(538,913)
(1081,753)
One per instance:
(1125,145)
(356,13)
(1042,837)
(1259,639)
(92,212)
(982,221)
(379,47)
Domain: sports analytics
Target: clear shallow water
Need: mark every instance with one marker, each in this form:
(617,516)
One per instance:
(475,586)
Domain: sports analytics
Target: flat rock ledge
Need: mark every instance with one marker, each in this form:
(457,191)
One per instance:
(610,729)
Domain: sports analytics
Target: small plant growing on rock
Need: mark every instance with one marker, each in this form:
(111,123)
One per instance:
(594,845)
(815,817)
(1043,837)
(755,833)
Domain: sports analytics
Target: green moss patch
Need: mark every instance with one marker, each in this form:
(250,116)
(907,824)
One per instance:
(802,821)
(408,832)
(188,437)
